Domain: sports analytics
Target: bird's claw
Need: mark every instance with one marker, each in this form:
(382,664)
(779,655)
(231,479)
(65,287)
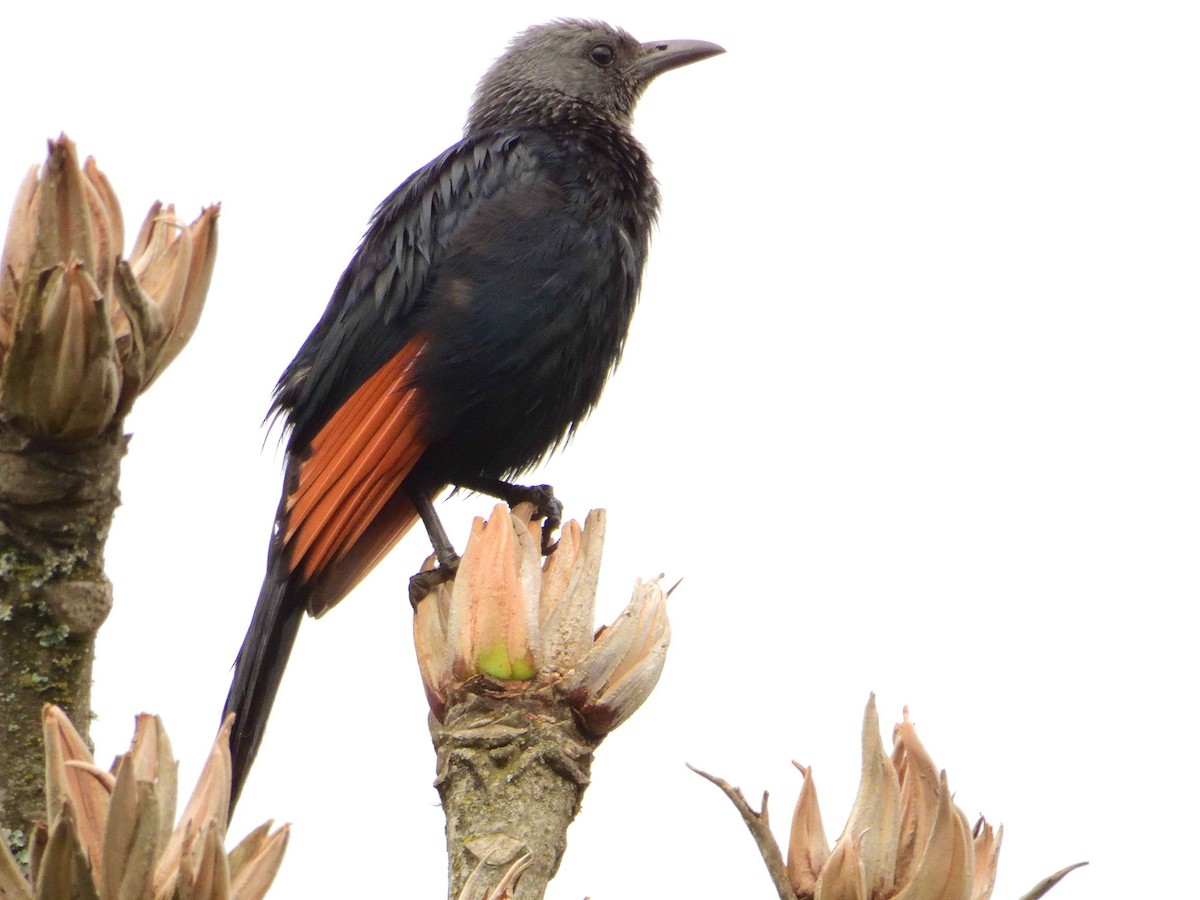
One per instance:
(549,508)
(540,496)
(422,583)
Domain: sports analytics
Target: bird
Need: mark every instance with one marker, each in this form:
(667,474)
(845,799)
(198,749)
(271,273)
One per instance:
(471,333)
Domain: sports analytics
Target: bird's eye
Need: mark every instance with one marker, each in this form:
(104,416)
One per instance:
(602,55)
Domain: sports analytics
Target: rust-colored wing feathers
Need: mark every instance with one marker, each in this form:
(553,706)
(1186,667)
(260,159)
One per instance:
(354,467)
(387,528)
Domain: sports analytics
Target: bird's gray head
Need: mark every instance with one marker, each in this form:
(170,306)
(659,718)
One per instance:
(553,71)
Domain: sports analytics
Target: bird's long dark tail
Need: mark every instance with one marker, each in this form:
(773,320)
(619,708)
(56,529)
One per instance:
(260,664)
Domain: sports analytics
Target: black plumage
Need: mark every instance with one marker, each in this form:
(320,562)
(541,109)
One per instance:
(473,330)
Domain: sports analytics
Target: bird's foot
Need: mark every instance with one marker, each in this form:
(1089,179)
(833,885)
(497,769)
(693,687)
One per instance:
(422,583)
(548,507)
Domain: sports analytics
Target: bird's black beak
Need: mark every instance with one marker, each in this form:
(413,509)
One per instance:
(662,56)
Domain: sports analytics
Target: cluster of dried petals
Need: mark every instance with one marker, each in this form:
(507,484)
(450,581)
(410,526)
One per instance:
(110,833)
(82,331)
(905,839)
(513,617)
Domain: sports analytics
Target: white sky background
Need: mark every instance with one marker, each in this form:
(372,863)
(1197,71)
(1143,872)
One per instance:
(910,402)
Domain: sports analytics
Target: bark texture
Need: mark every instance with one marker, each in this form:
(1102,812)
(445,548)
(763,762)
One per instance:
(56,505)
(512,769)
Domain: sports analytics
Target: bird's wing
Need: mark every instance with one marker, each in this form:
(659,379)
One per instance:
(351,469)
(356,416)
(373,312)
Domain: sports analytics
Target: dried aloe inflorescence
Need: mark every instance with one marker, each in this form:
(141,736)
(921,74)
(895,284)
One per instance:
(82,330)
(522,689)
(109,835)
(904,840)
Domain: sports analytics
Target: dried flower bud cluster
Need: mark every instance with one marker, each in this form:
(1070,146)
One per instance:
(510,617)
(905,838)
(82,331)
(109,834)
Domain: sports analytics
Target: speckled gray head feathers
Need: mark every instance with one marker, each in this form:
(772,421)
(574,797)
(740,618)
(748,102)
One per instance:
(568,66)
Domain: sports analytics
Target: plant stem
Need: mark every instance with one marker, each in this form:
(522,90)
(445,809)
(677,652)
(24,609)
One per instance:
(512,770)
(56,504)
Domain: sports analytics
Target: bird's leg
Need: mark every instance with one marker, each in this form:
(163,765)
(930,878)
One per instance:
(541,496)
(423,582)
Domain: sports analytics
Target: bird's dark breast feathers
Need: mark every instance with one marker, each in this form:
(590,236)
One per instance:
(518,256)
